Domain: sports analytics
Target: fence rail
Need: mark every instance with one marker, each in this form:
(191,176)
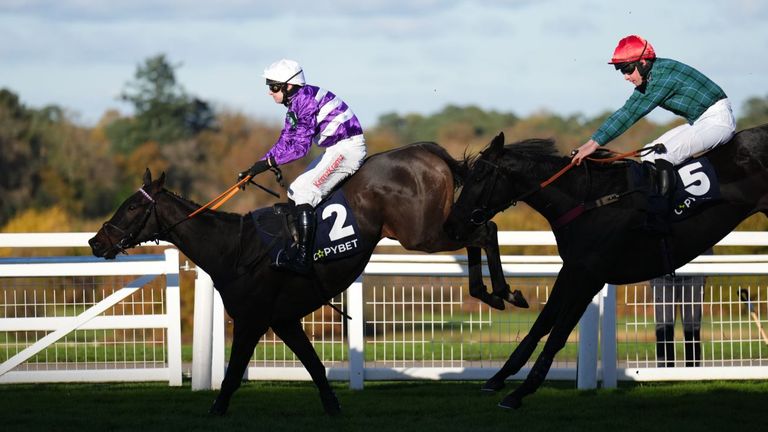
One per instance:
(67,319)
(413,319)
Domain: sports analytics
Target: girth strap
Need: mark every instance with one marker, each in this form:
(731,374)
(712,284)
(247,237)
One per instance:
(581,208)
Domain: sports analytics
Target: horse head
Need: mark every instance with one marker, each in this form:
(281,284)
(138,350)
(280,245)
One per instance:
(474,205)
(132,222)
(498,177)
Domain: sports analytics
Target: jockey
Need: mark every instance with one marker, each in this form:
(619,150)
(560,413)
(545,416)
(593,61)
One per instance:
(675,87)
(315,115)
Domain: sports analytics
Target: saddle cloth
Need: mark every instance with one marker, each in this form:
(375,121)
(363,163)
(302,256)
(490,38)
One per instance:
(696,186)
(336,234)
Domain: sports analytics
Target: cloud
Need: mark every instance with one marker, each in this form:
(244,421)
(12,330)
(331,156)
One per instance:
(151,10)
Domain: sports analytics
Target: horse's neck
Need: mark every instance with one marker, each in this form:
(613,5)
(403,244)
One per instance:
(573,188)
(209,239)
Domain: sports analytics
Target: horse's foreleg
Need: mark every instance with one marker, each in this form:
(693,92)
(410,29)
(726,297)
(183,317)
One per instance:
(524,350)
(477,288)
(245,338)
(572,310)
(296,339)
(498,281)
(487,239)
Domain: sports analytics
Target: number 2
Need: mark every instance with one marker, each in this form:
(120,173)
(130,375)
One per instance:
(338,230)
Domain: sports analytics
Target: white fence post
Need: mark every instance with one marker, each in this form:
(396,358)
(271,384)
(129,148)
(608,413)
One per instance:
(608,335)
(173,300)
(218,365)
(355,336)
(202,334)
(586,364)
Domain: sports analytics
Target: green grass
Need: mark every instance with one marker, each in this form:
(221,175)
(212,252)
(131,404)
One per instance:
(385,406)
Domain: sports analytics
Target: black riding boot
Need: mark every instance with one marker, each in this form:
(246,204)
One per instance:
(658,201)
(301,261)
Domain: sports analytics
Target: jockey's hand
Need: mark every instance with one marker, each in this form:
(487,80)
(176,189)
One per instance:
(257,168)
(585,150)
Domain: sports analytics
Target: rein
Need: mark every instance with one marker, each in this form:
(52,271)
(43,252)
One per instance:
(127,240)
(480,216)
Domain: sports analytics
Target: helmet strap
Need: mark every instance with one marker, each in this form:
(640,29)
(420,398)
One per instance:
(288,94)
(644,67)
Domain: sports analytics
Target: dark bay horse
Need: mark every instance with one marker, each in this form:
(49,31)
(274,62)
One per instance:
(404,194)
(599,245)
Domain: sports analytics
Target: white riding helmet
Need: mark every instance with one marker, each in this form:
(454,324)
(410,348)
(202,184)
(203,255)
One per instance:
(285,71)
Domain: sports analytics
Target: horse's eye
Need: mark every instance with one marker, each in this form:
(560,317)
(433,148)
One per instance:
(131,207)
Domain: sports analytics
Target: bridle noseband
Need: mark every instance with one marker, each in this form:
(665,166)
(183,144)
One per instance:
(128,239)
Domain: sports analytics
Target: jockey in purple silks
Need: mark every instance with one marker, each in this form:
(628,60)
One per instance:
(315,115)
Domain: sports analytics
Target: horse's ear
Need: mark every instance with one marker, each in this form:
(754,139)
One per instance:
(161,180)
(498,143)
(147,177)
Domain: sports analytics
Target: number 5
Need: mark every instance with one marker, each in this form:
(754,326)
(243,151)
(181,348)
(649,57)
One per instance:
(696,183)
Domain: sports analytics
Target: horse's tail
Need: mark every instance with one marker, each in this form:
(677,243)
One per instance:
(458,169)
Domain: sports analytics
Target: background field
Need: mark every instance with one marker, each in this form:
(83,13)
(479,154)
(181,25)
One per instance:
(386,406)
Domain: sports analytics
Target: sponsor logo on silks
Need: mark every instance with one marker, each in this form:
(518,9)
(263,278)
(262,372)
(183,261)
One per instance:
(328,171)
(290,117)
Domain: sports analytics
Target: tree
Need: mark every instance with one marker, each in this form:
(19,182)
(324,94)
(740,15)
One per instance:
(755,112)
(163,111)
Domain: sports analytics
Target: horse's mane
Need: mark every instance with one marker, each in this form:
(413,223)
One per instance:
(196,205)
(534,148)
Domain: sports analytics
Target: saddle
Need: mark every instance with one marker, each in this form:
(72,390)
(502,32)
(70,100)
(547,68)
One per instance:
(336,234)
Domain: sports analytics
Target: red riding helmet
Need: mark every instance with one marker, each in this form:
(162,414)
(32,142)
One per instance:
(632,48)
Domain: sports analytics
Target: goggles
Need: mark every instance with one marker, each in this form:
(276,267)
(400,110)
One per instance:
(626,68)
(275,86)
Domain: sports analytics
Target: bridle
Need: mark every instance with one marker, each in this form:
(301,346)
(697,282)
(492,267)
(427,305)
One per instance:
(128,239)
(481,215)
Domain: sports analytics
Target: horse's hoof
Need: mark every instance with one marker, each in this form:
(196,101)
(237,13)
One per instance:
(516,299)
(219,407)
(331,404)
(510,402)
(492,386)
(217,411)
(495,302)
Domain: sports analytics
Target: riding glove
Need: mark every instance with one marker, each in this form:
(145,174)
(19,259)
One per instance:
(257,168)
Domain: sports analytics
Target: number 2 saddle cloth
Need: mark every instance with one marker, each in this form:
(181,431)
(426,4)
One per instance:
(336,233)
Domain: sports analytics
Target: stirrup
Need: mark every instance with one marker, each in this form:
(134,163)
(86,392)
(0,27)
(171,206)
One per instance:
(284,261)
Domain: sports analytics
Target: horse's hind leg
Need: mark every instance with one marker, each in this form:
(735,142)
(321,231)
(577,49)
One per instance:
(573,308)
(245,338)
(522,353)
(296,339)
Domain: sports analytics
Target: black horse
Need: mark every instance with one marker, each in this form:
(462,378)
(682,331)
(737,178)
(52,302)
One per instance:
(404,194)
(594,215)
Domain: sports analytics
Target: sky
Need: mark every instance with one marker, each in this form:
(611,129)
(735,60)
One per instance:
(380,56)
